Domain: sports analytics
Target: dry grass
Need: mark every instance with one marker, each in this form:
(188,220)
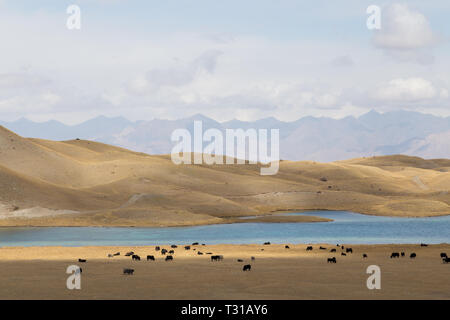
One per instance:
(277,273)
(110,186)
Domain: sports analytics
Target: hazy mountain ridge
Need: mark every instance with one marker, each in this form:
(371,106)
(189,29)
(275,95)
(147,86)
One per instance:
(308,138)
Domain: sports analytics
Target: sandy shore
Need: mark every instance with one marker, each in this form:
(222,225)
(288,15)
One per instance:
(64,220)
(277,273)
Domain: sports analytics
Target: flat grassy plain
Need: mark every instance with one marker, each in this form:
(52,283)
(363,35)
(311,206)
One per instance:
(277,273)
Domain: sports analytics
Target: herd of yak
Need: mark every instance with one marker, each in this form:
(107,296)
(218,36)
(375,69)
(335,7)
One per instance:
(169,255)
(444,257)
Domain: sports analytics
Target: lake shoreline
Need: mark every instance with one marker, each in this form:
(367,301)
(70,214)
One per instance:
(278,216)
(58,252)
(272,217)
(343,226)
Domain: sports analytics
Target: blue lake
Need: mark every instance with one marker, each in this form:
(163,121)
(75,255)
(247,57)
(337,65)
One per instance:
(347,227)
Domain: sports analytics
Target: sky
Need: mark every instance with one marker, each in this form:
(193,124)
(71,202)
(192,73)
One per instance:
(231,59)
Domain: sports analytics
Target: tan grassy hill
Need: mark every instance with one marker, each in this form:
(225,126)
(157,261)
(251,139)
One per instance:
(80,183)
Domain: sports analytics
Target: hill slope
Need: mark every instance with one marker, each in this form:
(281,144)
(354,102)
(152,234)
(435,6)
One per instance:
(82,182)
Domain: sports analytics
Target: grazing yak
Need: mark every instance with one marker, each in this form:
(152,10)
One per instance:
(163,251)
(333,250)
(195,244)
(286,247)
(135,257)
(247,267)
(128,271)
(187,247)
(364,255)
(110,255)
(443,255)
(157,248)
(349,250)
(413,255)
(343,254)
(266,243)
(116,254)
(240,260)
(199,253)
(331,260)
(129,254)
(309,248)
(395,255)
(151,258)
(169,258)
(423,245)
(174,246)
(446,260)
(217,258)
(402,254)
(253,258)
(322,248)
(171,252)
(82,260)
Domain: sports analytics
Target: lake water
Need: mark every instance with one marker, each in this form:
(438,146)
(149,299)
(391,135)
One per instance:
(347,227)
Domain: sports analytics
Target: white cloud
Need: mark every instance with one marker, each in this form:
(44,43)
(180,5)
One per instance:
(342,61)
(23,92)
(115,69)
(114,98)
(406,90)
(176,76)
(50,98)
(406,35)
(23,104)
(13,80)
(404,29)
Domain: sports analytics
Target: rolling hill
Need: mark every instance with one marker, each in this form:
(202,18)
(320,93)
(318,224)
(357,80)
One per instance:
(86,183)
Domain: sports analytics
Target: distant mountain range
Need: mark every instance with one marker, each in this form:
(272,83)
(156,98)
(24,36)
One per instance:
(309,138)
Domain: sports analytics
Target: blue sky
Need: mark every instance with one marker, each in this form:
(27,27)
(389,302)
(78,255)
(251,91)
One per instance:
(225,59)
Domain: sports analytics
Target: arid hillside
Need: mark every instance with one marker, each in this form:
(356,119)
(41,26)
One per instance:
(79,183)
